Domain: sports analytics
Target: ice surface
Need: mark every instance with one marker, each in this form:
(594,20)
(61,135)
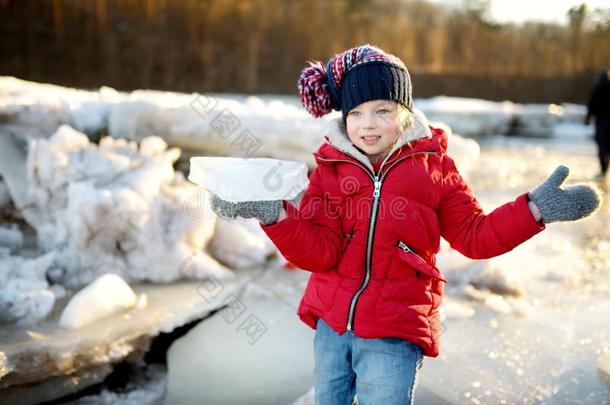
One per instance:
(254,351)
(106,295)
(45,353)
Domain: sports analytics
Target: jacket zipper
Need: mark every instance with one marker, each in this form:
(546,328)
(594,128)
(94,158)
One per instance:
(407,249)
(377,182)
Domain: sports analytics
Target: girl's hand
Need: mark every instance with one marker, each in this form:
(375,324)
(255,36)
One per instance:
(267,212)
(567,204)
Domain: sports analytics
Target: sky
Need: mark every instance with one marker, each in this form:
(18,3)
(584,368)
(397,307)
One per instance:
(540,10)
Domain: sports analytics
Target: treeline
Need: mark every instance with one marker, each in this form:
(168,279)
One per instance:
(260,46)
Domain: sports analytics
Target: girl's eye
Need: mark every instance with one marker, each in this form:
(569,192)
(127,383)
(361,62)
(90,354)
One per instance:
(354,113)
(383,111)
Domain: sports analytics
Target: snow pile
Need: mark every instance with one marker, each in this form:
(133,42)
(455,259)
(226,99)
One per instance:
(116,208)
(474,117)
(106,295)
(573,113)
(12,170)
(469,116)
(228,125)
(25,295)
(535,119)
(241,243)
(11,237)
(46,106)
(570,130)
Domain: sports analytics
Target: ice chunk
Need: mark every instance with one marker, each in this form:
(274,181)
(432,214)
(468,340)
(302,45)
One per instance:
(238,246)
(105,296)
(118,207)
(253,179)
(25,301)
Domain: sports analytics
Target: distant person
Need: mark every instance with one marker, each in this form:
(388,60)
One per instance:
(599,108)
(369,224)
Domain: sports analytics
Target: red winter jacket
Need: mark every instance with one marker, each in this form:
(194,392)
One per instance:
(370,238)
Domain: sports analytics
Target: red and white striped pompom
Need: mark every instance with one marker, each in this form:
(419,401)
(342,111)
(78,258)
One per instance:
(313,88)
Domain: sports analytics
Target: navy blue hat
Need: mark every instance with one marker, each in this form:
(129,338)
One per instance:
(353,77)
(376,80)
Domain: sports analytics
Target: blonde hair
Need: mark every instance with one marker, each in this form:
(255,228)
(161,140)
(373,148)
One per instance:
(405,121)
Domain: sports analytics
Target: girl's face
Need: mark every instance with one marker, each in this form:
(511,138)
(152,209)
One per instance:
(373,127)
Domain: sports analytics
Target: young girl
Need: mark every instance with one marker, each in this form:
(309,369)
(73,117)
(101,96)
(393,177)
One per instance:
(369,224)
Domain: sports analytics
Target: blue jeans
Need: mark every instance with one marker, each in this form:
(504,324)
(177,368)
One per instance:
(380,371)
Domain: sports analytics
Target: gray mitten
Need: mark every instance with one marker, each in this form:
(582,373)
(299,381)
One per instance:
(267,212)
(567,204)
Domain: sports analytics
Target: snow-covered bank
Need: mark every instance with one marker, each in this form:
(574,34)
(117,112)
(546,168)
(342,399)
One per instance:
(474,117)
(241,125)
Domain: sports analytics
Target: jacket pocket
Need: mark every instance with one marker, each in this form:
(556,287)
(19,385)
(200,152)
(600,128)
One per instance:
(422,268)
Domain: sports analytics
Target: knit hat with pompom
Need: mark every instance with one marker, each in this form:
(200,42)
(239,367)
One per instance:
(353,77)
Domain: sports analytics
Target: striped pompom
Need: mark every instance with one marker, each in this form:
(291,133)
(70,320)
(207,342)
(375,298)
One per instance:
(313,88)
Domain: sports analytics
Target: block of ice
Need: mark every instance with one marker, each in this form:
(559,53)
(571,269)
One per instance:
(249,179)
(105,296)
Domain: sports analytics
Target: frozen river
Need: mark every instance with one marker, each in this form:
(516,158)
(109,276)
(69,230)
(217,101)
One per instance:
(543,342)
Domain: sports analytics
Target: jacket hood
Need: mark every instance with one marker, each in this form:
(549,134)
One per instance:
(419,136)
